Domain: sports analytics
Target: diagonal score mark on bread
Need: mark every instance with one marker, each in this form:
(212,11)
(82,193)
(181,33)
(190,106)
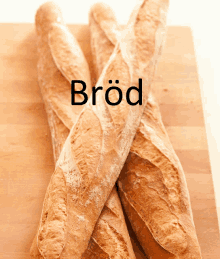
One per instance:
(55,39)
(68,55)
(152,183)
(86,210)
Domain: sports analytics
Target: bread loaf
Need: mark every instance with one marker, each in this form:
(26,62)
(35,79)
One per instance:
(103,37)
(88,170)
(60,61)
(152,183)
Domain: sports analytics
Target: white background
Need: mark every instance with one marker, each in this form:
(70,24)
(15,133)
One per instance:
(201,15)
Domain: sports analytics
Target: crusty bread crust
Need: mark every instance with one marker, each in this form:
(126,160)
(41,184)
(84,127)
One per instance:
(89,170)
(152,184)
(55,68)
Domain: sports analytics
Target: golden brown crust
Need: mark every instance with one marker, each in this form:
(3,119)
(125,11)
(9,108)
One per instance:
(152,183)
(110,236)
(87,193)
(101,45)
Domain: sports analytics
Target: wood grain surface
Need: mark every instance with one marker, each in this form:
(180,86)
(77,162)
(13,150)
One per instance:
(26,151)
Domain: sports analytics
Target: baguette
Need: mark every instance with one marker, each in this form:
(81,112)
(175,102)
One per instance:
(90,170)
(152,183)
(110,236)
(103,37)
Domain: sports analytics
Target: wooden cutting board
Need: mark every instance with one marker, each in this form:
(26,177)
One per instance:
(26,151)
